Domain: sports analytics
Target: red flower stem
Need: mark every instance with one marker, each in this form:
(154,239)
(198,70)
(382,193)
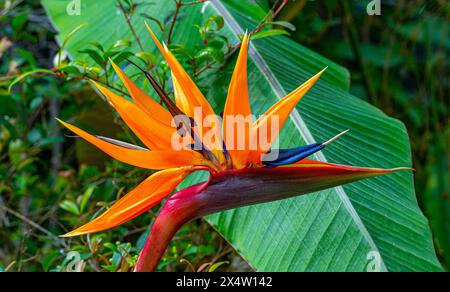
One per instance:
(179,209)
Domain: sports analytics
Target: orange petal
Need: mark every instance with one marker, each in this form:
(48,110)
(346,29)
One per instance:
(191,92)
(152,132)
(146,195)
(180,98)
(142,158)
(145,102)
(190,98)
(262,128)
(237,108)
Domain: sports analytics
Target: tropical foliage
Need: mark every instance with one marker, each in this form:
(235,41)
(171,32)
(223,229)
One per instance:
(56,183)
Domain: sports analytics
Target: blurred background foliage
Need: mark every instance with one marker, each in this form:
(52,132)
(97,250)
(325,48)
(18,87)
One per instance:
(398,62)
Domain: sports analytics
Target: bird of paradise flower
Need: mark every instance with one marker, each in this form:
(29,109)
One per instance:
(238,177)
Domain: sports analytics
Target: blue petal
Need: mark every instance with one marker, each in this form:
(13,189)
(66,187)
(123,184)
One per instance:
(289,156)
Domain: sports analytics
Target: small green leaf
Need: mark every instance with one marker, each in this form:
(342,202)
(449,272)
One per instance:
(28,56)
(122,43)
(94,55)
(19,21)
(168,20)
(26,74)
(87,194)
(156,20)
(217,20)
(66,40)
(268,33)
(97,45)
(120,57)
(48,260)
(211,53)
(35,103)
(110,246)
(70,69)
(181,49)
(93,71)
(218,44)
(217,265)
(148,57)
(285,24)
(70,207)
(129,3)
(191,249)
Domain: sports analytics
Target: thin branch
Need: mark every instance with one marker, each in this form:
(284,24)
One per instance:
(100,82)
(128,20)
(260,26)
(266,19)
(10,8)
(279,8)
(174,19)
(194,2)
(206,67)
(209,65)
(33,224)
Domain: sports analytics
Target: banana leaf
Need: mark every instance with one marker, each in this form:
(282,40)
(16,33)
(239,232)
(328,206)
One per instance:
(371,225)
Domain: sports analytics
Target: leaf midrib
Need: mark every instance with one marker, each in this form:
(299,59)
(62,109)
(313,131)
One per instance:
(296,119)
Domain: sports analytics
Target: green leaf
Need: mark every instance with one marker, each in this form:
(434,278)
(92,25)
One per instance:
(374,223)
(19,21)
(217,20)
(268,33)
(66,39)
(28,56)
(217,265)
(121,56)
(71,70)
(337,229)
(26,74)
(180,49)
(122,43)
(212,54)
(152,18)
(255,10)
(70,207)
(94,55)
(149,58)
(97,45)
(285,24)
(49,260)
(86,196)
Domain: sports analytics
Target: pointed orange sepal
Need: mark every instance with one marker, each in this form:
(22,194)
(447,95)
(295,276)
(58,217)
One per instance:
(143,158)
(145,102)
(146,195)
(190,99)
(237,116)
(279,112)
(152,132)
